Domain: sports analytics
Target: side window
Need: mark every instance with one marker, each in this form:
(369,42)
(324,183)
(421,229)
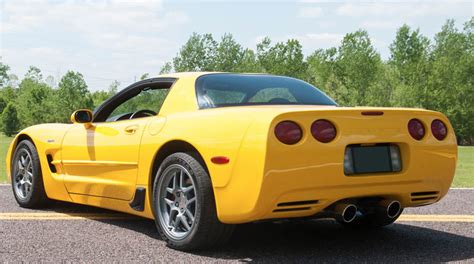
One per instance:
(151,99)
(273,95)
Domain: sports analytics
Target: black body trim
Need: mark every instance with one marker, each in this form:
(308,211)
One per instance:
(138,202)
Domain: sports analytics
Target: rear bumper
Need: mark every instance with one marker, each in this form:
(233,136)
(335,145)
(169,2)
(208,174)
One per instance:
(303,179)
(307,191)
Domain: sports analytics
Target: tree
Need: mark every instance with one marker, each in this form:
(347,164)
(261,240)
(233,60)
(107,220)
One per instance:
(228,54)
(248,63)
(3,104)
(357,65)
(9,120)
(72,95)
(349,73)
(197,54)
(34,73)
(35,103)
(167,68)
(321,72)
(285,58)
(4,77)
(451,83)
(409,55)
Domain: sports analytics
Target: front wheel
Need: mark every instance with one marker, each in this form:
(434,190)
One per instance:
(184,205)
(27,179)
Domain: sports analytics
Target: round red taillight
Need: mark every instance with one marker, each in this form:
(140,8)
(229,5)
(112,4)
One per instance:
(416,129)
(439,130)
(288,132)
(323,131)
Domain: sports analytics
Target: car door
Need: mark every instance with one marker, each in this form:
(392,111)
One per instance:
(101,158)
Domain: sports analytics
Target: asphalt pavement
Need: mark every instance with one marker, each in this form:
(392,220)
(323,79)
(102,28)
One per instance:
(65,232)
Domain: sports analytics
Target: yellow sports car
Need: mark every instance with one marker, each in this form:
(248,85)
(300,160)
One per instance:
(201,152)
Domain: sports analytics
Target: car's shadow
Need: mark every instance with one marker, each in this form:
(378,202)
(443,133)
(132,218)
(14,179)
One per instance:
(324,241)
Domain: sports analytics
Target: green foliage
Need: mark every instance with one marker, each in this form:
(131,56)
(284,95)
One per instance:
(35,103)
(451,82)
(350,74)
(284,58)
(197,54)
(410,60)
(167,68)
(433,74)
(4,78)
(72,95)
(10,123)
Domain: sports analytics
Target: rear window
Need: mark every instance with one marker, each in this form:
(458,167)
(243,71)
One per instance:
(220,90)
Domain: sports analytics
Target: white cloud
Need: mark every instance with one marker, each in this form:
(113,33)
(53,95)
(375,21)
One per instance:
(128,36)
(382,24)
(313,41)
(402,9)
(310,12)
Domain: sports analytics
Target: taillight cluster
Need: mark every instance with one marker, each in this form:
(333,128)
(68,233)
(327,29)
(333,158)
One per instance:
(439,130)
(417,129)
(290,133)
(323,130)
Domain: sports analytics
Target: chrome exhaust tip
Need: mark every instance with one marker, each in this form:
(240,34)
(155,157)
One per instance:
(345,212)
(349,213)
(391,208)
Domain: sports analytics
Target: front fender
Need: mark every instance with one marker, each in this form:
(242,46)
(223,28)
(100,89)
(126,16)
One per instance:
(47,139)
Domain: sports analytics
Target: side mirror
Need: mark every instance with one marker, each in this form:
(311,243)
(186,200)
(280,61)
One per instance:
(83,116)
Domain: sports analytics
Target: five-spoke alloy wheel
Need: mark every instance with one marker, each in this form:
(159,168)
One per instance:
(184,206)
(23,177)
(26,177)
(177,201)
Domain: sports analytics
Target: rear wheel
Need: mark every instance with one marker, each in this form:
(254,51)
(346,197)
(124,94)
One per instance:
(184,205)
(26,176)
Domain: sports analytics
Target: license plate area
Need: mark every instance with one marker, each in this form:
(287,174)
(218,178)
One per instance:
(379,158)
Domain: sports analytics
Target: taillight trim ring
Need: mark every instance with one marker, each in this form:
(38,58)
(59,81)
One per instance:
(423,126)
(300,128)
(435,134)
(327,122)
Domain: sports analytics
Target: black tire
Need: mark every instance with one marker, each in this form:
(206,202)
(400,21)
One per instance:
(372,220)
(36,196)
(206,231)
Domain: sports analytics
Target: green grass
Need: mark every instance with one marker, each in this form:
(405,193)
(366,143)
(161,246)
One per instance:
(465,168)
(464,171)
(4,144)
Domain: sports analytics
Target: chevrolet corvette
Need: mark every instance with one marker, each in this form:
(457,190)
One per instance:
(202,152)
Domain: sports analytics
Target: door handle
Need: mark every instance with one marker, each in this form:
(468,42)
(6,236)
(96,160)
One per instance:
(131,129)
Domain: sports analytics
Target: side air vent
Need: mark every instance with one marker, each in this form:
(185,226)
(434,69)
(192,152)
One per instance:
(295,206)
(424,197)
(51,165)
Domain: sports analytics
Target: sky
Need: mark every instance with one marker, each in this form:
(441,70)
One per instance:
(120,40)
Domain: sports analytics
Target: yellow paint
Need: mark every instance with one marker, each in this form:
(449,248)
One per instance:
(94,162)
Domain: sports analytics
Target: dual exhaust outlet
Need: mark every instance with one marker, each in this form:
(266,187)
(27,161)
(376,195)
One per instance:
(347,212)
